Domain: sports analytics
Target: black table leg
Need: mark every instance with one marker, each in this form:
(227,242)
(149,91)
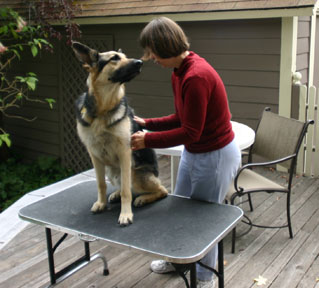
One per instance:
(220,272)
(50,255)
(182,269)
(221,264)
(193,276)
(57,277)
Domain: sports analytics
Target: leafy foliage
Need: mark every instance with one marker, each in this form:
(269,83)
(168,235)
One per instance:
(53,11)
(16,35)
(18,178)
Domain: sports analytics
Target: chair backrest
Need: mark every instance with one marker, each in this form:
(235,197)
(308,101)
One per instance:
(278,137)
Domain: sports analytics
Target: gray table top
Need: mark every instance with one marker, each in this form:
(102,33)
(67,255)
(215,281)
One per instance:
(176,229)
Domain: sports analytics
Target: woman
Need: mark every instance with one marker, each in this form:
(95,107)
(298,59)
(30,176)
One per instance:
(201,122)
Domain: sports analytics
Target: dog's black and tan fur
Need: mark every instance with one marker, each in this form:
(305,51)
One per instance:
(105,123)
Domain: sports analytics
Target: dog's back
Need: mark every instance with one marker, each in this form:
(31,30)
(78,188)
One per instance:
(145,159)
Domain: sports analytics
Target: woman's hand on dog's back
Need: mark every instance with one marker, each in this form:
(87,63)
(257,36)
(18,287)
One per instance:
(137,140)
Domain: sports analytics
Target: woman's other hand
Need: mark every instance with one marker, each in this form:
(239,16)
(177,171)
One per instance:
(139,121)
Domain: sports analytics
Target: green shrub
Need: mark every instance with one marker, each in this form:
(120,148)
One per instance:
(18,178)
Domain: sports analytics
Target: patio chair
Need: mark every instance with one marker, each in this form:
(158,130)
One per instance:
(278,140)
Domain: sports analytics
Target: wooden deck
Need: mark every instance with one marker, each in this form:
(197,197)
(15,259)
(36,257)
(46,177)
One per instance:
(270,253)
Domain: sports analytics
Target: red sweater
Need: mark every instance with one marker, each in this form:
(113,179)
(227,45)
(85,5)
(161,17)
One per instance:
(202,118)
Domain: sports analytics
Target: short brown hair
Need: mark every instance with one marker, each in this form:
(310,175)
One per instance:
(163,37)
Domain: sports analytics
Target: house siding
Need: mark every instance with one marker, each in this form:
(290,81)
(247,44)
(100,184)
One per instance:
(41,136)
(246,54)
(303,47)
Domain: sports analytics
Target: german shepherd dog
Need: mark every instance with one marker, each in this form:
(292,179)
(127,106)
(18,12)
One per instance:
(105,124)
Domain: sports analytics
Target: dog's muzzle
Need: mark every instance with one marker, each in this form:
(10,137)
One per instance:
(127,72)
(139,63)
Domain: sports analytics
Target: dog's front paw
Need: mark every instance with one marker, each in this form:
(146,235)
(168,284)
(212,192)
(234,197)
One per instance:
(139,201)
(115,197)
(98,207)
(125,219)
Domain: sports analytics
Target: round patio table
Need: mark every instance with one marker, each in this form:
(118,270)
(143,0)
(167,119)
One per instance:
(244,137)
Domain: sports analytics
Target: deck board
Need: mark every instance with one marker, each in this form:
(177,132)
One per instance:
(284,262)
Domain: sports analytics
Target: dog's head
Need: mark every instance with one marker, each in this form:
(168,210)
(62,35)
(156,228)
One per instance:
(109,66)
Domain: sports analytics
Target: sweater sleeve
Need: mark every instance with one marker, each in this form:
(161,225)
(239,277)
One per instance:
(163,123)
(192,113)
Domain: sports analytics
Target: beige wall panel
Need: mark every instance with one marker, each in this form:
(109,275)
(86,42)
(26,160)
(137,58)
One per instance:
(148,88)
(303,46)
(250,62)
(316,70)
(264,96)
(302,61)
(236,29)
(304,27)
(139,102)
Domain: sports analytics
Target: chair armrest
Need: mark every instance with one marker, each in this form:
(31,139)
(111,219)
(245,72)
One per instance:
(259,164)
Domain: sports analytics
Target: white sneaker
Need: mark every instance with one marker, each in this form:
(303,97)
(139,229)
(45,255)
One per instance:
(162,266)
(206,284)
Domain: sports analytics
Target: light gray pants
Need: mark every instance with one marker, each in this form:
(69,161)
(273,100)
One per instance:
(207,177)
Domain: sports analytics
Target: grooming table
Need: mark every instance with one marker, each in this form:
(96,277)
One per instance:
(176,229)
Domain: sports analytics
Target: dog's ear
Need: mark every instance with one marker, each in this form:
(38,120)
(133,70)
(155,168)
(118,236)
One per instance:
(85,54)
